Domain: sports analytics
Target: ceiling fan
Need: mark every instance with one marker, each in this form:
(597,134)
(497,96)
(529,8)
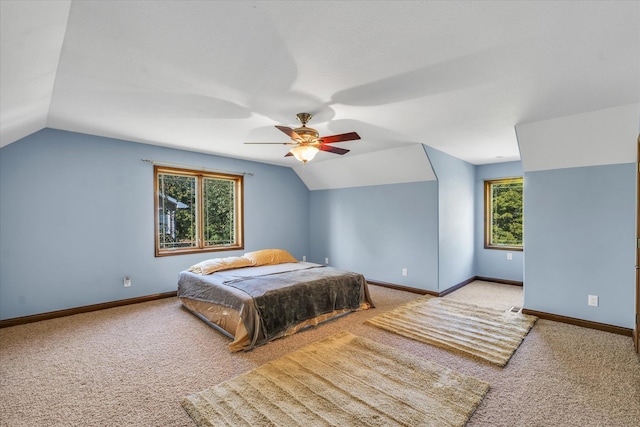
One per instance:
(307,141)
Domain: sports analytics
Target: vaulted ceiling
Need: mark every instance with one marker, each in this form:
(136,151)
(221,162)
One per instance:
(209,75)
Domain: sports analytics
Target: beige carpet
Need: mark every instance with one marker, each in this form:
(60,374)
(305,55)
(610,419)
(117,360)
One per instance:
(487,333)
(489,294)
(342,380)
(132,366)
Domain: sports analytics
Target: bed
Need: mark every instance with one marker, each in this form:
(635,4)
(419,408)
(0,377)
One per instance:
(268,294)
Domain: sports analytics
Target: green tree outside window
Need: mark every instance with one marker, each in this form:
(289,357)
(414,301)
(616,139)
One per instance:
(504,214)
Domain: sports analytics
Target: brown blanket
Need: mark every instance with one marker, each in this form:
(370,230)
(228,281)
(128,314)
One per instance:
(271,300)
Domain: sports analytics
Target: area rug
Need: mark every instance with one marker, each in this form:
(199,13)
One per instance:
(490,334)
(343,380)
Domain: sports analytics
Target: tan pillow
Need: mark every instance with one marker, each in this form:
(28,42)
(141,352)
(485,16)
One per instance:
(210,266)
(270,257)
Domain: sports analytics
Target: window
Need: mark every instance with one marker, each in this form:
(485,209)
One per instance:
(197,211)
(503,214)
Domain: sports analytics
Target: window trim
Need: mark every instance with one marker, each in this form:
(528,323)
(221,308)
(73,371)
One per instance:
(199,175)
(487,214)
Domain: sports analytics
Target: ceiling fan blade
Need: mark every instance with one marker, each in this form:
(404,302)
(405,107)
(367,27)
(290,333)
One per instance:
(339,138)
(289,153)
(335,150)
(292,134)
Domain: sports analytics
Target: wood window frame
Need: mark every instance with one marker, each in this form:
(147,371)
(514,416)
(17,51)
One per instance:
(199,175)
(487,214)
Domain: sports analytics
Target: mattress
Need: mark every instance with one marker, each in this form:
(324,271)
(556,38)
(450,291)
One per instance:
(255,305)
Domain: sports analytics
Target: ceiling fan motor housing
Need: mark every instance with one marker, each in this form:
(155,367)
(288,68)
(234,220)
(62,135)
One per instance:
(307,134)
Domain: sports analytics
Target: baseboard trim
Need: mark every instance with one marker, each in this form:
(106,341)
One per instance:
(84,309)
(102,306)
(402,288)
(501,281)
(580,322)
(456,287)
(421,291)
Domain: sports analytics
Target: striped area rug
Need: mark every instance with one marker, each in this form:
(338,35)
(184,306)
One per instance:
(487,333)
(343,380)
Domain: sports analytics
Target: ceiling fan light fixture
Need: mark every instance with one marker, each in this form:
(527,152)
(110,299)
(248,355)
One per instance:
(304,153)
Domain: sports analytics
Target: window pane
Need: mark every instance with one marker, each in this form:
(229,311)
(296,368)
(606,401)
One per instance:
(177,211)
(219,212)
(506,213)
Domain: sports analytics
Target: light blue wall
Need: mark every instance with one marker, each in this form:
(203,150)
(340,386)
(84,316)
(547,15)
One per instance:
(580,240)
(456,180)
(77,215)
(493,263)
(378,231)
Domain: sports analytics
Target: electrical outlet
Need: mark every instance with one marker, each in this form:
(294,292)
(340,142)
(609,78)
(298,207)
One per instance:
(304,257)
(593,300)
(326,261)
(126,281)
(404,271)
(509,256)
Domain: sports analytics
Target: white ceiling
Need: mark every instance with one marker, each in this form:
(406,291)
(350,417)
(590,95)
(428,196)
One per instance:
(209,75)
